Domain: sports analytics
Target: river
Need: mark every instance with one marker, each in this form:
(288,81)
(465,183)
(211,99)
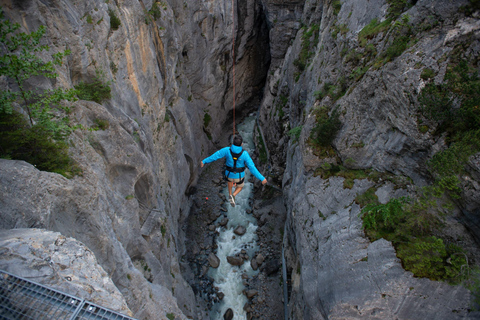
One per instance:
(226,277)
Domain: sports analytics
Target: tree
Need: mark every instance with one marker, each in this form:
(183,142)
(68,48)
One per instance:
(45,127)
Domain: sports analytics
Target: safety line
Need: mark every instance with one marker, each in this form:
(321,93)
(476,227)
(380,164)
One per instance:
(233,54)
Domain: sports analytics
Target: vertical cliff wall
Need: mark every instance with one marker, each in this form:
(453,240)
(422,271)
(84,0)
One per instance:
(168,64)
(331,65)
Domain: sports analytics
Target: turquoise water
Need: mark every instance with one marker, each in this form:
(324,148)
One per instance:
(226,277)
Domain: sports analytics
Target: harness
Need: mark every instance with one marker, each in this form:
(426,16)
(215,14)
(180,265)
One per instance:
(234,169)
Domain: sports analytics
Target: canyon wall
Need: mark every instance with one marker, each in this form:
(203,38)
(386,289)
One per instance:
(170,72)
(335,271)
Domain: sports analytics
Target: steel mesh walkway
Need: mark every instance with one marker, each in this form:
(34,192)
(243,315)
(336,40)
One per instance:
(21,299)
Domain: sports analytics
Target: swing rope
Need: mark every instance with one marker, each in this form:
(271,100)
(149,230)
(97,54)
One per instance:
(233,54)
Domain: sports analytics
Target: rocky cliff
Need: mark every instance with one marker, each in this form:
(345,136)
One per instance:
(335,64)
(169,67)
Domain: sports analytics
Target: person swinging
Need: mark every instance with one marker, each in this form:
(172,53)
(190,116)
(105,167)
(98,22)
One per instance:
(236,160)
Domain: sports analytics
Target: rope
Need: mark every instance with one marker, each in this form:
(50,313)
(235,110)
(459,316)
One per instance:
(233,54)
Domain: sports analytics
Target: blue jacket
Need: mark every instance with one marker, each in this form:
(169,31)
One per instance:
(243,160)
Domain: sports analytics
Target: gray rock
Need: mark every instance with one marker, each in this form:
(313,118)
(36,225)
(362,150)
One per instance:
(61,263)
(235,261)
(213,260)
(251,293)
(259,259)
(240,230)
(271,267)
(228,315)
(224,222)
(254,264)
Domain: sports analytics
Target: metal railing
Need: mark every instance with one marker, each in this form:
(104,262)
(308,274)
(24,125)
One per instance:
(24,299)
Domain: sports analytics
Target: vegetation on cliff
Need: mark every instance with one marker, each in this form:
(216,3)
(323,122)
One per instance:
(33,121)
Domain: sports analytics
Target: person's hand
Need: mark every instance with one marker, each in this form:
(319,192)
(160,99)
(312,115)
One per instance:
(201,164)
(264,182)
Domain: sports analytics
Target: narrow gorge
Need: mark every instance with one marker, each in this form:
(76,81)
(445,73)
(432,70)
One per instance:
(364,117)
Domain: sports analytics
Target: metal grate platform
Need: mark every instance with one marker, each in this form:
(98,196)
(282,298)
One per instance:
(21,299)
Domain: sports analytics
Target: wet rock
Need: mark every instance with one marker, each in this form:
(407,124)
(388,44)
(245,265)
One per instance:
(224,222)
(235,261)
(213,260)
(211,227)
(254,264)
(240,230)
(204,270)
(220,295)
(271,267)
(260,259)
(247,307)
(228,314)
(251,293)
(212,217)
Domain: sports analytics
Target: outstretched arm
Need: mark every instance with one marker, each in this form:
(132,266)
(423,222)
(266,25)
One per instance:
(214,157)
(251,166)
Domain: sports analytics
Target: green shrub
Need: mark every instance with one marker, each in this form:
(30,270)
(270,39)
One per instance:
(113,67)
(97,90)
(403,38)
(114,20)
(89,19)
(101,124)
(206,119)
(163,230)
(372,29)
(397,7)
(307,44)
(295,133)
(473,285)
(37,137)
(410,230)
(454,103)
(385,216)
(33,144)
(427,74)
(337,5)
(368,197)
(326,128)
(155,11)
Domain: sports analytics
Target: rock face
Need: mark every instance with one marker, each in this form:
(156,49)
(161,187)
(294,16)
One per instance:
(166,76)
(60,263)
(336,273)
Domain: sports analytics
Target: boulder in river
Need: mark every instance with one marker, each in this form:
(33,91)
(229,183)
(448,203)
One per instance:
(251,293)
(228,314)
(260,259)
(224,222)
(254,264)
(240,230)
(235,261)
(213,260)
